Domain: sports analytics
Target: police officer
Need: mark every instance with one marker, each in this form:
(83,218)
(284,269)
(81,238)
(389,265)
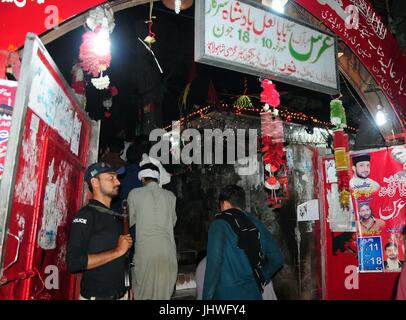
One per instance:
(96,245)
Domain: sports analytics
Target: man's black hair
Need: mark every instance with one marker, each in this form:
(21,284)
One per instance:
(233,194)
(360,205)
(391,244)
(89,184)
(116,145)
(148,179)
(364,204)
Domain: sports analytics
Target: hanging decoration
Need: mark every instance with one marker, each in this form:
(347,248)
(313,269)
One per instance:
(102,82)
(183,99)
(212,97)
(108,101)
(152,53)
(269,94)
(337,114)
(78,84)
(341,151)
(244,101)
(184,96)
(272,139)
(94,53)
(150,38)
(93,62)
(102,15)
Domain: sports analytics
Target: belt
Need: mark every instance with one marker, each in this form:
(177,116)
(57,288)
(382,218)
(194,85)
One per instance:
(116,296)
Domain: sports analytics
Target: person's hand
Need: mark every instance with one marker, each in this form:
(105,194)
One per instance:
(124,244)
(130,294)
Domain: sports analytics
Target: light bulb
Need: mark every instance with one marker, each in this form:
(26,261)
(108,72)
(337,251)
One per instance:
(279,5)
(178,4)
(101,44)
(380,117)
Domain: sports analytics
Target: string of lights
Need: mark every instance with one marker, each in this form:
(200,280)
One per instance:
(201,112)
(285,114)
(290,116)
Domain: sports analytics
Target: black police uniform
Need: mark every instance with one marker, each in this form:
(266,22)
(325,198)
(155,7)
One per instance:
(96,229)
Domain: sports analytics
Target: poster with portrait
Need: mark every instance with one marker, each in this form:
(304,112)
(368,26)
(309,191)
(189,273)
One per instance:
(8,91)
(378,190)
(370,254)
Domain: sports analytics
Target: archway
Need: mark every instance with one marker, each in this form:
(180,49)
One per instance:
(377,82)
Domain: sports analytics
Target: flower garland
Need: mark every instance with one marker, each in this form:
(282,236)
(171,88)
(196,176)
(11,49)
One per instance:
(108,101)
(341,151)
(274,157)
(78,84)
(94,53)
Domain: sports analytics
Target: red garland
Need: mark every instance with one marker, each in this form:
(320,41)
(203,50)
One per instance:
(269,94)
(272,148)
(343,180)
(90,61)
(272,153)
(274,156)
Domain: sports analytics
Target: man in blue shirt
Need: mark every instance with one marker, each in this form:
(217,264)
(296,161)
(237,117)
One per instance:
(242,256)
(130,179)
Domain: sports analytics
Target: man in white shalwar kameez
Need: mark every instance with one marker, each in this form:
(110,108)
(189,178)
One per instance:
(152,210)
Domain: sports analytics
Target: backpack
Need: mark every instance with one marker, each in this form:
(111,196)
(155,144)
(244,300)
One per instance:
(248,240)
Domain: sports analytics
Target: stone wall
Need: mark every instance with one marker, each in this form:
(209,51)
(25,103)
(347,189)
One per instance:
(198,191)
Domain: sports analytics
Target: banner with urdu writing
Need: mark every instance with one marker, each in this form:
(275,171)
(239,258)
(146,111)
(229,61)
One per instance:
(250,38)
(8,91)
(378,189)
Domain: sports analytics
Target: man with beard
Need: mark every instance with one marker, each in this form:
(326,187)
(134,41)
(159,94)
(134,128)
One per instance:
(96,245)
(368,224)
(393,263)
(360,183)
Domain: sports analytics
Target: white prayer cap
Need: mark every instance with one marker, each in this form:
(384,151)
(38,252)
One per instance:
(164,177)
(148,170)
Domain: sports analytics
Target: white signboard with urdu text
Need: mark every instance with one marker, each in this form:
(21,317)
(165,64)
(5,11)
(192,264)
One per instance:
(250,38)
